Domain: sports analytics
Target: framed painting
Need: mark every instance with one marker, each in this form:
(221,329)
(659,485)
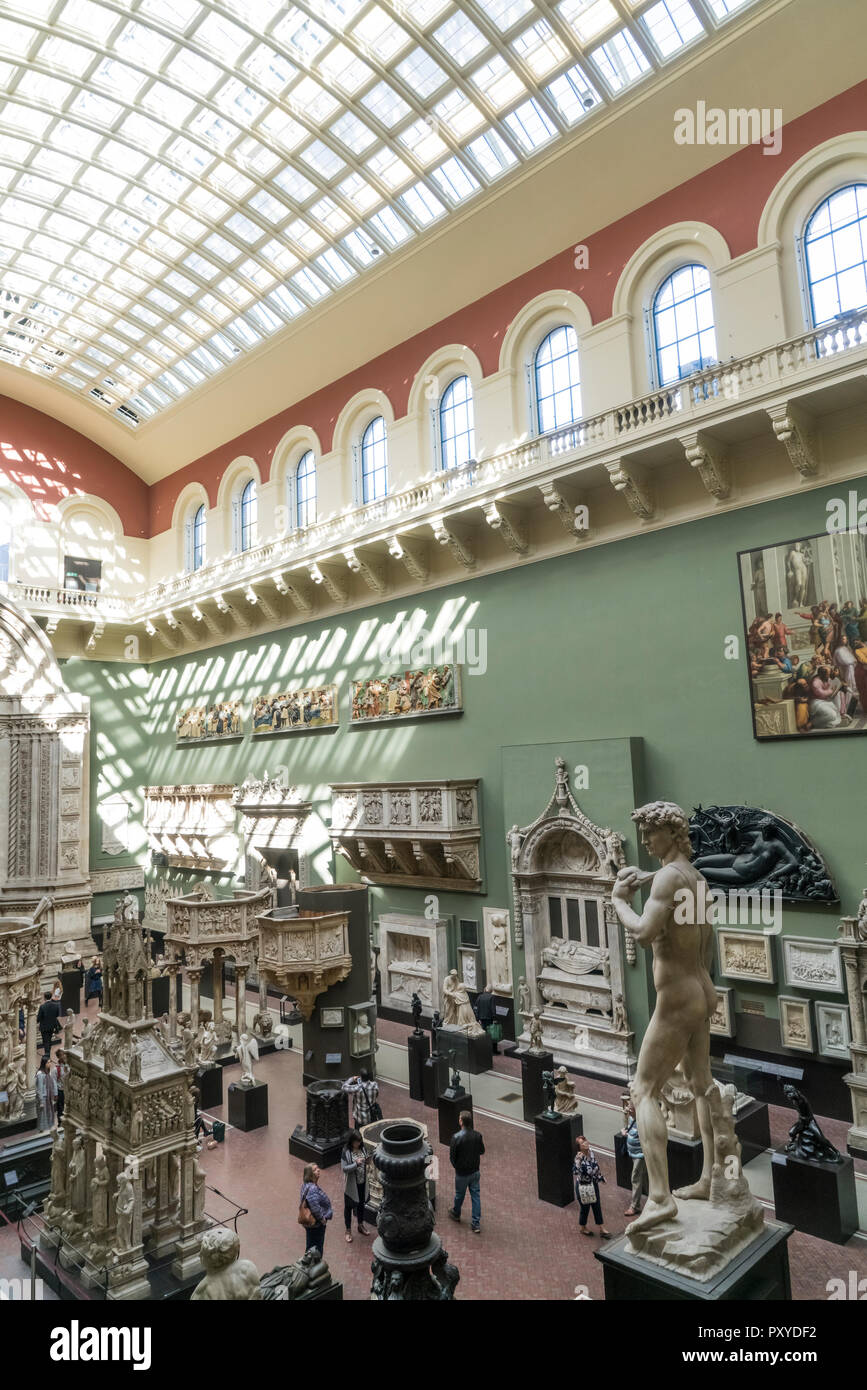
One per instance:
(408,694)
(796,1024)
(331,1018)
(805,632)
(209,723)
(295,711)
(812,964)
(832,1027)
(745,955)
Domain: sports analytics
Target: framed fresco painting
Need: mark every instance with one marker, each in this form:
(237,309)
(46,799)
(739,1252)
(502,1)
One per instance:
(408,694)
(832,1027)
(295,711)
(796,1024)
(745,955)
(722,1020)
(812,964)
(805,630)
(209,723)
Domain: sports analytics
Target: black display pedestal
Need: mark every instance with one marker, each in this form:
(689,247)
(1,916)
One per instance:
(70,996)
(327,1122)
(753,1129)
(531,1082)
(473,1055)
(248,1105)
(418,1051)
(685,1161)
(210,1083)
(435,1079)
(448,1109)
(554,1154)
(759,1274)
(818,1198)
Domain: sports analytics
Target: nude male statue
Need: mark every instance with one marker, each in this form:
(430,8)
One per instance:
(679,1031)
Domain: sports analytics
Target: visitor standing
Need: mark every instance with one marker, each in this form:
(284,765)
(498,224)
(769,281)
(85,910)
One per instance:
(639,1167)
(588,1176)
(93,984)
(365,1099)
(465,1150)
(353,1161)
(46,1020)
(46,1094)
(315,1208)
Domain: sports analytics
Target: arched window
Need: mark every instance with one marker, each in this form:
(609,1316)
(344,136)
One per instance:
(683,329)
(835,247)
(249,514)
(5,543)
(374,461)
(200,531)
(557,379)
(457,435)
(305,490)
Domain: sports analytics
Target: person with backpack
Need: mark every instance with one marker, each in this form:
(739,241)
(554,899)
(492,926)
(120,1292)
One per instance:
(365,1099)
(314,1209)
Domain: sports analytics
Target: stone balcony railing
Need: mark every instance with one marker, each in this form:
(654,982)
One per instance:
(619,447)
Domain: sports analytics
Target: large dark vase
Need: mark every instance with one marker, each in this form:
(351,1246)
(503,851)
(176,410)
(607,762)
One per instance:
(409,1263)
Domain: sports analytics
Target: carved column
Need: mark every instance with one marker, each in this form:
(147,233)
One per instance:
(172,972)
(217,971)
(30,1047)
(195,977)
(263,991)
(241,997)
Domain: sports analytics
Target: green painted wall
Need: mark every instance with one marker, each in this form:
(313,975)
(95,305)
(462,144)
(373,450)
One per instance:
(623,640)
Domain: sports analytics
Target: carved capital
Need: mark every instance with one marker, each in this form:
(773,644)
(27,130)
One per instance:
(412,555)
(372,574)
(446,533)
(633,488)
(708,458)
(793,430)
(510,524)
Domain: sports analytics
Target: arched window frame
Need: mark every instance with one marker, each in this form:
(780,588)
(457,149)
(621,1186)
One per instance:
(7,536)
(442,444)
(361,477)
(803,258)
(246,496)
(650,320)
(533,380)
(195,537)
(302,501)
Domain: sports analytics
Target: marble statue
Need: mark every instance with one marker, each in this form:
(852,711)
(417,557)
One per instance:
(109,1044)
(57,1200)
(190,1046)
(361,1036)
(536,1047)
(68,1030)
(549,1088)
(515,840)
(523,996)
(134,1057)
(263,1024)
(618,1021)
(174,1178)
(124,1206)
(806,1139)
(207,1044)
(698,1228)
(99,1184)
(76,1178)
(198,1192)
(566,1101)
(136,1127)
(415,1008)
(457,1009)
(228,1278)
(288,1282)
(247,1052)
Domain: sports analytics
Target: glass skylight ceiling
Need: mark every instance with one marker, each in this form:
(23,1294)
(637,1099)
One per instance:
(181,179)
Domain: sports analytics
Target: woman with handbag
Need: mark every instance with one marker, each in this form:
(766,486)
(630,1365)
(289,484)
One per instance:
(314,1209)
(353,1161)
(588,1176)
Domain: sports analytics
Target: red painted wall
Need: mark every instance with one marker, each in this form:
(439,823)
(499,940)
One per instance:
(50,461)
(729,197)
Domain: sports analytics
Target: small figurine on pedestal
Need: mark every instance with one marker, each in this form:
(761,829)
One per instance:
(806,1139)
(523,996)
(247,1052)
(415,1009)
(536,1048)
(618,1021)
(566,1101)
(549,1088)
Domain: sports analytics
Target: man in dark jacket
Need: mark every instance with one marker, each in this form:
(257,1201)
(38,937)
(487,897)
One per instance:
(46,1021)
(465,1150)
(484,1008)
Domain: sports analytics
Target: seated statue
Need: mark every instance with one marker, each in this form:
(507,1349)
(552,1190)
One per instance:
(806,1139)
(565,1099)
(457,1009)
(306,1277)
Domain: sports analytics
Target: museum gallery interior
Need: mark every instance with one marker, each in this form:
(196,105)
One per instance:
(433,650)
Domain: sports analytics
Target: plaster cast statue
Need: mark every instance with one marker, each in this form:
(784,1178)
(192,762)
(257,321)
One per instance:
(247,1052)
(515,840)
(190,1046)
(263,1024)
(58,1170)
(109,1045)
(198,1192)
(566,1101)
(536,1047)
(618,1021)
(523,996)
(129,908)
(227,1277)
(99,1194)
(136,1127)
(498,965)
(415,1008)
(574,957)
(124,1206)
(134,1057)
(68,1030)
(76,1177)
(806,1139)
(361,1037)
(457,1009)
(207,1044)
(174,1178)
(679,1030)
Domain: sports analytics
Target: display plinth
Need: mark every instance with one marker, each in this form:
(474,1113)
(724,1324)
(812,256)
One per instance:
(685,1161)
(418,1051)
(472,1054)
(554,1154)
(70,986)
(818,1198)
(160,994)
(449,1109)
(760,1273)
(210,1083)
(248,1105)
(435,1079)
(753,1129)
(532,1067)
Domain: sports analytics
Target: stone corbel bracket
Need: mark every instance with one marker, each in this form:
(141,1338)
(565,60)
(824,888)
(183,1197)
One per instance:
(413,555)
(447,532)
(201,615)
(793,429)
(372,574)
(170,639)
(260,602)
(630,482)
(296,589)
(707,456)
(510,525)
(233,614)
(332,582)
(562,503)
